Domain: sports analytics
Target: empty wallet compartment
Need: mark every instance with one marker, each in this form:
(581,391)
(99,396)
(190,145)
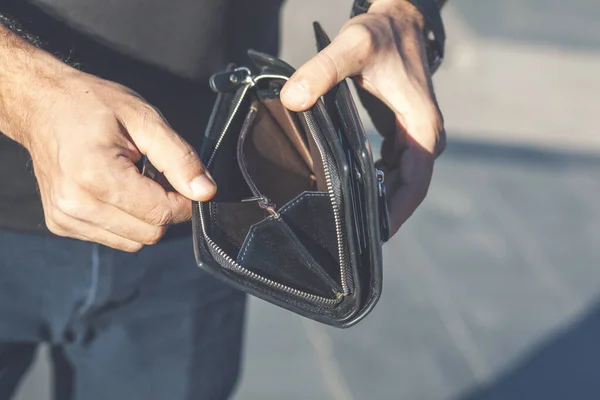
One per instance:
(284,232)
(290,211)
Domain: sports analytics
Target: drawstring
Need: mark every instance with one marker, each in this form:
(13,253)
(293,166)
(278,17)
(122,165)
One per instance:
(93,290)
(76,322)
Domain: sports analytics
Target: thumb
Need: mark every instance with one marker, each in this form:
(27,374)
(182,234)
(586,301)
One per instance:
(171,155)
(341,59)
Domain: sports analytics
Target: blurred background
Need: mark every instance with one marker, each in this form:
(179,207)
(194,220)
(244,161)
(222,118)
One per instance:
(491,290)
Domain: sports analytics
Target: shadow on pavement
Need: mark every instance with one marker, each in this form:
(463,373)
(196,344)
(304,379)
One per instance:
(485,151)
(563,367)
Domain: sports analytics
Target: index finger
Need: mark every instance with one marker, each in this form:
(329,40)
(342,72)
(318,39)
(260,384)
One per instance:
(146,199)
(344,57)
(171,154)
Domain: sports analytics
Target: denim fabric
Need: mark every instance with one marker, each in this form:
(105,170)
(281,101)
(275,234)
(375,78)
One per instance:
(149,325)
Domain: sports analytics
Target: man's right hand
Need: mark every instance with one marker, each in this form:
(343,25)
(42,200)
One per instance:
(85,135)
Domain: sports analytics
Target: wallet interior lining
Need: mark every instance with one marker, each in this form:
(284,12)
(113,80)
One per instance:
(273,158)
(278,155)
(291,127)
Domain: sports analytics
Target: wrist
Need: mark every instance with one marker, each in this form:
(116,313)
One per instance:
(26,73)
(403,9)
(424,14)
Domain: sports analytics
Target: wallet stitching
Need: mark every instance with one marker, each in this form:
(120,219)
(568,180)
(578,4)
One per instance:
(330,280)
(288,207)
(247,245)
(213,213)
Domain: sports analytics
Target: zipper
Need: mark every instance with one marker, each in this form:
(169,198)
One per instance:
(242,77)
(233,265)
(261,199)
(311,123)
(237,102)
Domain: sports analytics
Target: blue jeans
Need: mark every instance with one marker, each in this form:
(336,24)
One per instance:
(121,326)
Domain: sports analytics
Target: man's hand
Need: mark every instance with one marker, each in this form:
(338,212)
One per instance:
(385,51)
(84,135)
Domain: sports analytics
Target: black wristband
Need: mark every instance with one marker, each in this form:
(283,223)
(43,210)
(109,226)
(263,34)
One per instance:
(360,7)
(435,34)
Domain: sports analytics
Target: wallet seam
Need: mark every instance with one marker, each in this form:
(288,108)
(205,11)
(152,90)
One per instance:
(333,285)
(213,210)
(247,245)
(299,198)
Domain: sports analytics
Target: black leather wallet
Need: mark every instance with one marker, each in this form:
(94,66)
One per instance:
(300,215)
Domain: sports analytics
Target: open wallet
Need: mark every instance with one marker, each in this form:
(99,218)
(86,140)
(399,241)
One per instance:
(300,214)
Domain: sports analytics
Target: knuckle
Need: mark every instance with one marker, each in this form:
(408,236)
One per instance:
(54,227)
(126,246)
(148,113)
(132,247)
(69,205)
(363,35)
(155,235)
(159,216)
(55,224)
(328,66)
(93,180)
(371,35)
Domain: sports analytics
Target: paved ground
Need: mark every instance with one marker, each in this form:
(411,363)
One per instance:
(492,285)
(491,290)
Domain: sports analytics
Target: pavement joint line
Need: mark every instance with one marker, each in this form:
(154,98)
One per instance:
(451,318)
(334,377)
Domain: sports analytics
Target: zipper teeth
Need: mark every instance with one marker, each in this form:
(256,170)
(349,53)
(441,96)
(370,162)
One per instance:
(336,210)
(238,103)
(266,281)
(241,162)
(335,206)
(229,122)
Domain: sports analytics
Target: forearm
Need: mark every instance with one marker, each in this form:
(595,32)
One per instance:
(24,71)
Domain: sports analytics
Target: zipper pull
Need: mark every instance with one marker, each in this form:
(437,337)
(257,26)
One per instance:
(228,81)
(264,203)
(384,213)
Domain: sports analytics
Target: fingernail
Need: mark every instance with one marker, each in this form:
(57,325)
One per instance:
(296,94)
(203,186)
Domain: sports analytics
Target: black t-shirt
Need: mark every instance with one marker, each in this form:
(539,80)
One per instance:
(163,49)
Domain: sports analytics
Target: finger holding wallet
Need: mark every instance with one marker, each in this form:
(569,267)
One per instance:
(85,136)
(391,48)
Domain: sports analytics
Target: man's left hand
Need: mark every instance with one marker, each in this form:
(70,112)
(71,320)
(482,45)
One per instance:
(385,51)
